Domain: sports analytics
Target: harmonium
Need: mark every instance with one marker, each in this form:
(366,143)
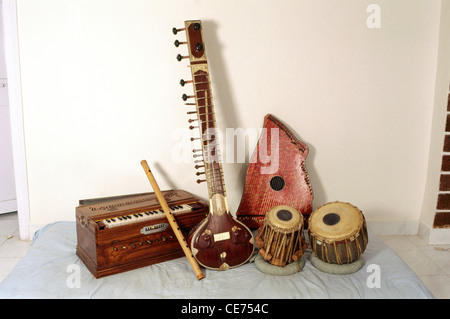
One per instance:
(122,233)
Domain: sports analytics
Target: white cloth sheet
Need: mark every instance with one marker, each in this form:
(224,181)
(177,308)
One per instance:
(51,269)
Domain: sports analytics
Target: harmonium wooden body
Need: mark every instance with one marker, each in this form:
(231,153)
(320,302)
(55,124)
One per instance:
(128,232)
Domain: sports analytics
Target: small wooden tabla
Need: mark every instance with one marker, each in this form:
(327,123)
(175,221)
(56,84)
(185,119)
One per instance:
(280,238)
(337,233)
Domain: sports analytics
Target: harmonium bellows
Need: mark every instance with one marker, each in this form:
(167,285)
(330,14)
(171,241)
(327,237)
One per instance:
(122,233)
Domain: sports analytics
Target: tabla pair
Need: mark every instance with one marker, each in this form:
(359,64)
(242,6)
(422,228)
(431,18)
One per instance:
(337,234)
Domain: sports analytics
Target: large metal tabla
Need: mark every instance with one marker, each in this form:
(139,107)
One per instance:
(337,233)
(280,238)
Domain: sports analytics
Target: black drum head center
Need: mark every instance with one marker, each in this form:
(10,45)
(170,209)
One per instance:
(284,215)
(331,219)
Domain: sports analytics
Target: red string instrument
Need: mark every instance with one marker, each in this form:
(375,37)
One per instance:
(220,241)
(282,181)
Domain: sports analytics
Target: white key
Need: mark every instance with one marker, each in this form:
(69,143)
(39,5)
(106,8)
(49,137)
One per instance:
(138,217)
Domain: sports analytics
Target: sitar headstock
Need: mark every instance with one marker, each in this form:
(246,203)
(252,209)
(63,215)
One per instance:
(194,41)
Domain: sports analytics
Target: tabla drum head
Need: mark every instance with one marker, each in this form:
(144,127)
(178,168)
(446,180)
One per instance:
(335,221)
(284,218)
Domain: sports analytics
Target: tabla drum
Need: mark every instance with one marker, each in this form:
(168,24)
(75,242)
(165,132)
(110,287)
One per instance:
(337,233)
(280,238)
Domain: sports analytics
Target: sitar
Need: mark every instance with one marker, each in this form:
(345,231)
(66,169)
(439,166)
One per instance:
(220,241)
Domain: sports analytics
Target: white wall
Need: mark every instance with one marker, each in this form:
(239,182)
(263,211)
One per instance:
(100,93)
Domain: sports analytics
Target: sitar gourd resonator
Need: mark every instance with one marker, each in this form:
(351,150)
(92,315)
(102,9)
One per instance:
(220,241)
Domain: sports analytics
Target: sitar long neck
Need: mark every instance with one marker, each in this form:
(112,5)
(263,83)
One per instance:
(205,109)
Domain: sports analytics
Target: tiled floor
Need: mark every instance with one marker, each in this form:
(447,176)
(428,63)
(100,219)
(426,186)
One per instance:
(430,262)
(12,249)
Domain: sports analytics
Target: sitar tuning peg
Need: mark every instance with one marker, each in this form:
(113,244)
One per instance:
(197,26)
(181,57)
(198,47)
(185,97)
(200,181)
(178,43)
(192,120)
(200,173)
(175,30)
(183,82)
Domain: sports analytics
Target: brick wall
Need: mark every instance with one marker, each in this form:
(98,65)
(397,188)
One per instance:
(442,217)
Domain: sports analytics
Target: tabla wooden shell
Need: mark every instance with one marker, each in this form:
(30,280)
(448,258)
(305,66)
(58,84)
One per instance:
(280,238)
(338,233)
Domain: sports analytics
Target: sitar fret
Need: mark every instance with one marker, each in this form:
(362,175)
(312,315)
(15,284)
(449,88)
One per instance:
(203,90)
(205,82)
(207,121)
(215,179)
(208,113)
(200,98)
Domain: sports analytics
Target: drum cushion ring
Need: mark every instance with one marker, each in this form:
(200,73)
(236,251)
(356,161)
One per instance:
(336,269)
(267,268)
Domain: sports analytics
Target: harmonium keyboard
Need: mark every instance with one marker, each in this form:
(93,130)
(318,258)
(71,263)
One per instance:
(118,234)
